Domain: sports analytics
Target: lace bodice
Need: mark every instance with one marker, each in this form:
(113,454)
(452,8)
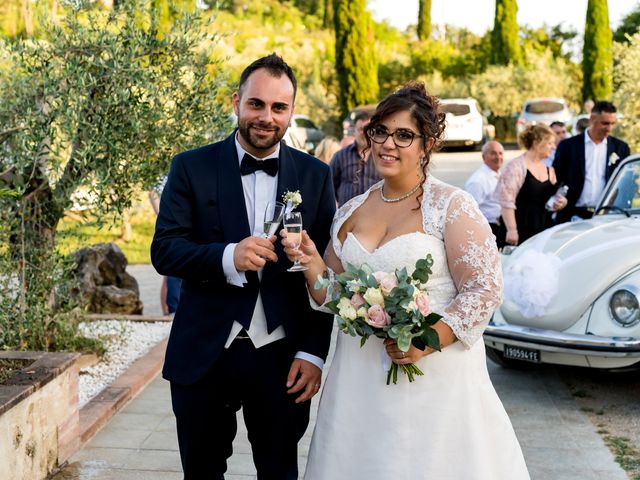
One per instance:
(466,284)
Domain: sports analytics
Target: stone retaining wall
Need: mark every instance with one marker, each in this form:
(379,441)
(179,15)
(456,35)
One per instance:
(39,418)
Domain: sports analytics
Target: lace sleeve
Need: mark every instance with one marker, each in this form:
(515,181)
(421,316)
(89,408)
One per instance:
(510,183)
(332,292)
(475,268)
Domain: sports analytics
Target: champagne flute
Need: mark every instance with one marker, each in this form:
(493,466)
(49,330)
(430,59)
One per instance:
(272,218)
(293,224)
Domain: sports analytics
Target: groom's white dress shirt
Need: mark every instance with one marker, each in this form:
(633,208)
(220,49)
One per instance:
(595,158)
(259,189)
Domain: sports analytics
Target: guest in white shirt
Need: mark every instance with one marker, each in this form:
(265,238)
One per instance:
(482,183)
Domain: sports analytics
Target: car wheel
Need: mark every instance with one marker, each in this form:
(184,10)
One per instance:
(498,357)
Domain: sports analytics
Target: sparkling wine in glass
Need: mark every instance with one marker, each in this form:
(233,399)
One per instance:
(272,218)
(293,224)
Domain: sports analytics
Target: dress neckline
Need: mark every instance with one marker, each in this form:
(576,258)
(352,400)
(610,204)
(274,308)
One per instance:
(537,179)
(379,247)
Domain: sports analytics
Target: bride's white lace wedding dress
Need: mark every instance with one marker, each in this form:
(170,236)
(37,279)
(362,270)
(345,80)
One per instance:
(449,424)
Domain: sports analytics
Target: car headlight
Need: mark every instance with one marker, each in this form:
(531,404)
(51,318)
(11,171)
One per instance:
(625,306)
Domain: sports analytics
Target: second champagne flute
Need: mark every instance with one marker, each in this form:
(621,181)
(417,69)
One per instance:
(272,218)
(293,224)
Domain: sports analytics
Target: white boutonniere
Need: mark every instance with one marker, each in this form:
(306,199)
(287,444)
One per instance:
(613,158)
(291,200)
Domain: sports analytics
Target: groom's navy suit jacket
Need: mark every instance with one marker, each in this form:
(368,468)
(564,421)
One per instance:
(202,210)
(569,164)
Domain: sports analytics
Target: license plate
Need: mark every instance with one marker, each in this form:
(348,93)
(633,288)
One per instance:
(524,354)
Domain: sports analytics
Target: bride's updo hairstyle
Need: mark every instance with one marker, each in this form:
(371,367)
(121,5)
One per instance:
(425,111)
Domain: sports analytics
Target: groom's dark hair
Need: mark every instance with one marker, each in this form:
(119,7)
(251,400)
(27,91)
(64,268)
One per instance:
(275,65)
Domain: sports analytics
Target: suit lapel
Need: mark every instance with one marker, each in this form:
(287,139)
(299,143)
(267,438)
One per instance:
(287,173)
(233,210)
(608,168)
(581,158)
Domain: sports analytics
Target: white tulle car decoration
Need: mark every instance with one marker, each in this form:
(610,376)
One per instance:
(572,293)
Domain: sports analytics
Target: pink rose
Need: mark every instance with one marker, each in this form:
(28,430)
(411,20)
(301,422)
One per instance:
(378,317)
(422,301)
(357,301)
(386,281)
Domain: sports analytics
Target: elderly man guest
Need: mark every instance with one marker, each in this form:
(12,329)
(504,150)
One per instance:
(352,169)
(585,162)
(482,183)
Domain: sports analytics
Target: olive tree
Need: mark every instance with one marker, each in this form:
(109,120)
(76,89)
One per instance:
(98,103)
(626,78)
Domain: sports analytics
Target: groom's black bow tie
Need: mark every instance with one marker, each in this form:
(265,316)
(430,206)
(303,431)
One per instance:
(250,165)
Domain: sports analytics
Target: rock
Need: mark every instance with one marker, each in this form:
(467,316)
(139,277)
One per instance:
(103,283)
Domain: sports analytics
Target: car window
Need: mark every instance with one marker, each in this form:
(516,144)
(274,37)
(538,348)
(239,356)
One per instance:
(456,109)
(304,123)
(544,107)
(625,190)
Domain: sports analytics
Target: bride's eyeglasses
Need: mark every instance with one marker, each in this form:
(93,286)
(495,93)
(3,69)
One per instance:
(402,137)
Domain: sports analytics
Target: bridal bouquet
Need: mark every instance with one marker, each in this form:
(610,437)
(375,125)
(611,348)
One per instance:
(386,305)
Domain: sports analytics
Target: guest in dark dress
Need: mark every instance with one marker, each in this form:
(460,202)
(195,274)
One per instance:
(525,185)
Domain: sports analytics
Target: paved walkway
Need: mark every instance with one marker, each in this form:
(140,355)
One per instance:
(558,440)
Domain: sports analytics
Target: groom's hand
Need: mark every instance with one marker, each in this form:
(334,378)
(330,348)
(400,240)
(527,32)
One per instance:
(303,376)
(252,253)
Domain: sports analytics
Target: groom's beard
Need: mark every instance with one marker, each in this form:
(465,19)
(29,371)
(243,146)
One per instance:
(260,141)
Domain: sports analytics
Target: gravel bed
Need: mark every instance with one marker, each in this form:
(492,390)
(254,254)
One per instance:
(125,342)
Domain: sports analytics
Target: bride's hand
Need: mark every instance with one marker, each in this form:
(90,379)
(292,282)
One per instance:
(305,253)
(398,356)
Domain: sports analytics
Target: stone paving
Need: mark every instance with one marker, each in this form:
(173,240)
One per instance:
(558,440)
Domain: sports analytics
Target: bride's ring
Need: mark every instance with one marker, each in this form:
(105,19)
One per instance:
(403,354)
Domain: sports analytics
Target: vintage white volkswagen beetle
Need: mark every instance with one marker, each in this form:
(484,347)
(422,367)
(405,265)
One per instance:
(572,293)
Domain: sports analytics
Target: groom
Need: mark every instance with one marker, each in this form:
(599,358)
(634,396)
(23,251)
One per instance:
(244,334)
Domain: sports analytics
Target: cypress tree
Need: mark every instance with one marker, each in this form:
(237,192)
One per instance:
(505,48)
(597,59)
(355,58)
(327,14)
(424,20)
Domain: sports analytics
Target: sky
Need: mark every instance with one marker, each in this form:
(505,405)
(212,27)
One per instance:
(477,15)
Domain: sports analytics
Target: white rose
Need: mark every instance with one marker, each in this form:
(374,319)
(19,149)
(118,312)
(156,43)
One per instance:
(346,310)
(373,296)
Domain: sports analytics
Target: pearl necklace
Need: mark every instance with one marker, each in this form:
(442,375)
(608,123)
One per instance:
(399,199)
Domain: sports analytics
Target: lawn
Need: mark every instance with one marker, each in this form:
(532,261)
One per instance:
(79,229)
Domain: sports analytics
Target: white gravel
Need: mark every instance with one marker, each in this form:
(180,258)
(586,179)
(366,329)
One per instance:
(125,342)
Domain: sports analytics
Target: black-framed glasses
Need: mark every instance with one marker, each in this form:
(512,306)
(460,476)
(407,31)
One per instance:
(402,137)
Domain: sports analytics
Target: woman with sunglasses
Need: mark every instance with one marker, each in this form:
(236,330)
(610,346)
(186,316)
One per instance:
(449,423)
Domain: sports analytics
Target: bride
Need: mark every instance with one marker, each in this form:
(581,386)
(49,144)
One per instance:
(449,423)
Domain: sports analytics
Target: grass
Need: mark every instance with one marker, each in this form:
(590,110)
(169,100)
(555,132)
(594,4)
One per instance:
(79,230)
(627,456)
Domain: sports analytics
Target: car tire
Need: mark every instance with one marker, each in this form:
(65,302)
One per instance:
(498,357)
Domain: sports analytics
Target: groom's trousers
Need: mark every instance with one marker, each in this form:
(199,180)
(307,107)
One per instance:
(254,379)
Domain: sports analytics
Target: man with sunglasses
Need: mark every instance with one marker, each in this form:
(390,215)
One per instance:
(352,169)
